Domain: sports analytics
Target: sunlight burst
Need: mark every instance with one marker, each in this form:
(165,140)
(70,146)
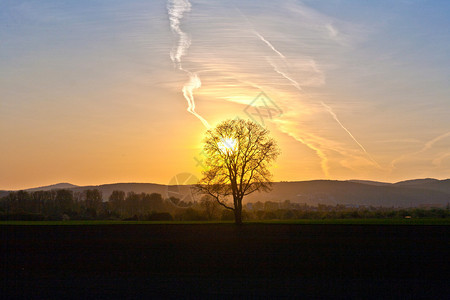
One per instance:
(227,145)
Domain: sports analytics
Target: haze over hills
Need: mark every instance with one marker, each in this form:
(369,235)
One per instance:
(107,189)
(355,193)
(429,192)
(416,182)
(370,182)
(63,185)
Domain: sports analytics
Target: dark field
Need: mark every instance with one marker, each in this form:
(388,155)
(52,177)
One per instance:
(255,260)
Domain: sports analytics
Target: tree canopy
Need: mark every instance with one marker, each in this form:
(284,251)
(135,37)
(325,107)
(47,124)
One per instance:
(239,154)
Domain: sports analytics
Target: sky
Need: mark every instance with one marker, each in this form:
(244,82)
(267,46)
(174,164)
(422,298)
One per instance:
(107,91)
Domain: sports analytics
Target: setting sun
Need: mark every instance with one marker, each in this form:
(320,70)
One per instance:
(228,145)
(141,81)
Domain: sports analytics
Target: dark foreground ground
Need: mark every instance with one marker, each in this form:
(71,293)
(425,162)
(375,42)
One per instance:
(259,260)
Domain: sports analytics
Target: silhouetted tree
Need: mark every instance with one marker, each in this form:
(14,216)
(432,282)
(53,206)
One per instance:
(132,203)
(23,200)
(117,202)
(93,202)
(38,201)
(239,154)
(210,205)
(152,202)
(174,200)
(64,200)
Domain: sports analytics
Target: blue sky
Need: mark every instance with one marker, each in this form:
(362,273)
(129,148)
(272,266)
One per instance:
(89,87)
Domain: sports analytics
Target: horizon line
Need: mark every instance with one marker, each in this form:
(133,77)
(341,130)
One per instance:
(280,181)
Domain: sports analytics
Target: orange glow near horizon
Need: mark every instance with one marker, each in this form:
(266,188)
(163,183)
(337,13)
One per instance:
(343,102)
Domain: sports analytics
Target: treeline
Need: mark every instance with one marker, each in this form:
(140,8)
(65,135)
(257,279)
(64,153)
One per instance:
(65,204)
(286,210)
(52,205)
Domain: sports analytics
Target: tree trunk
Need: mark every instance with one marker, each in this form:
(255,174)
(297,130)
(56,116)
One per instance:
(238,212)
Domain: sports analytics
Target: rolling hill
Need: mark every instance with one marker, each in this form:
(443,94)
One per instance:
(431,192)
(354,193)
(63,185)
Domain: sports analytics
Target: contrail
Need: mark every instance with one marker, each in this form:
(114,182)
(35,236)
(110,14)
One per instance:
(188,93)
(330,110)
(317,150)
(292,81)
(176,9)
(269,44)
(322,156)
(428,145)
(438,160)
(297,86)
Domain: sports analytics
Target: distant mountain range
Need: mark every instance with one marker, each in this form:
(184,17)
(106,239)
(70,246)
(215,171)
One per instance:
(417,192)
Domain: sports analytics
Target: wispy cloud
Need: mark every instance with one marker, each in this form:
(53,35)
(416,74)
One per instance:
(298,87)
(288,54)
(426,147)
(256,62)
(437,162)
(336,30)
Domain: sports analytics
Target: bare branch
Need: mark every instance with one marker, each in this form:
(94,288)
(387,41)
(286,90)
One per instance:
(240,170)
